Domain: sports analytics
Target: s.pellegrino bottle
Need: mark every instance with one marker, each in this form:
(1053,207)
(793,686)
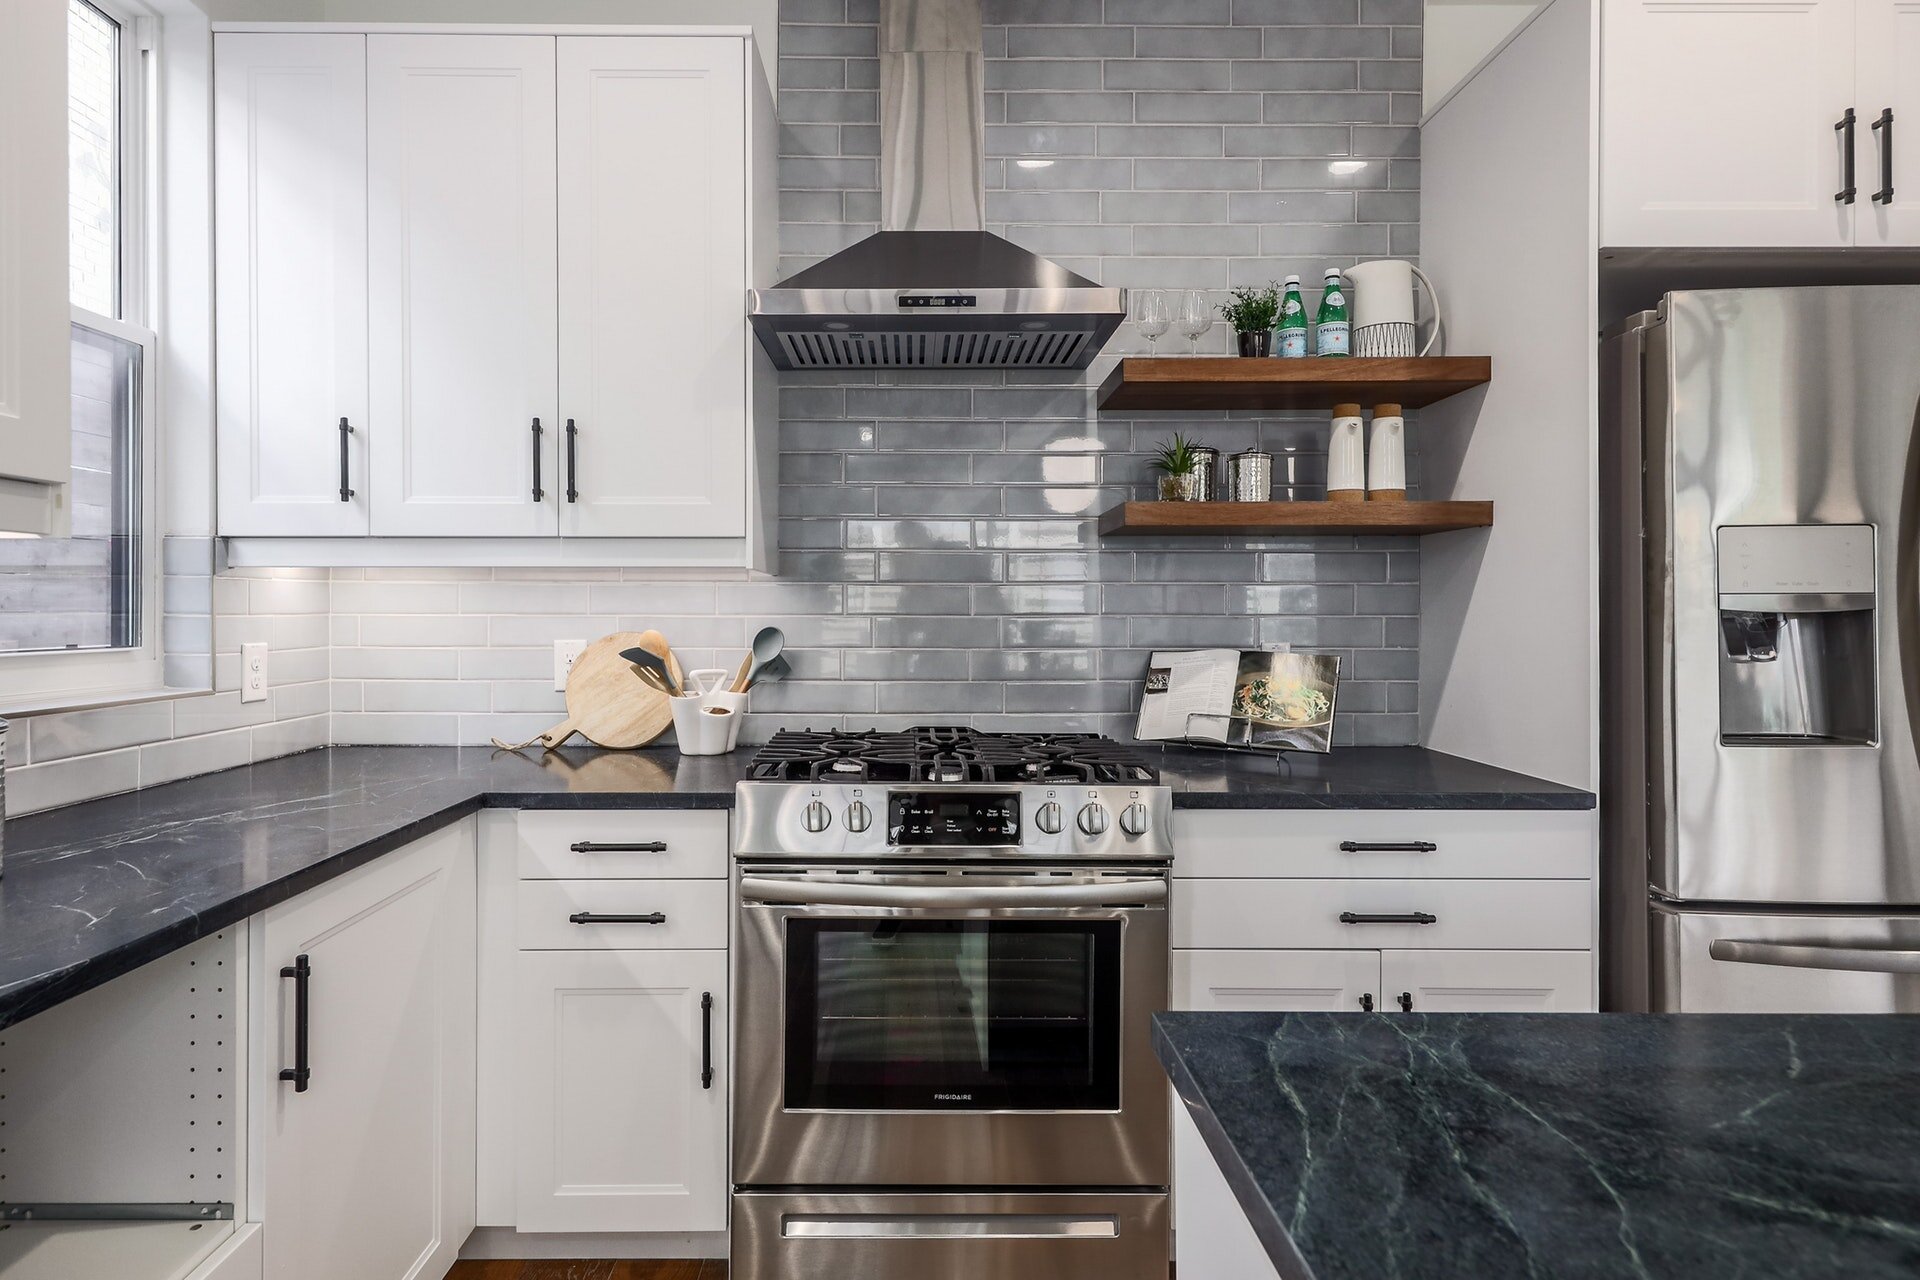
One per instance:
(1332,329)
(1293,323)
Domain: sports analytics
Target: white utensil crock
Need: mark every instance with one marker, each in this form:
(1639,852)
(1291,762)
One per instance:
(708,724)
(1384,308)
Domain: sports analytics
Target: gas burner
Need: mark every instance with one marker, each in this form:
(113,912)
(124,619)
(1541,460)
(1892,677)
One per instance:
(946,754)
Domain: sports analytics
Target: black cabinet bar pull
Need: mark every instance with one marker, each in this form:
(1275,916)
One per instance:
(590,917)
(346,493)
(1388,846)
(1366,1003)
(1844,127)
(1388,917)
(1406,1002)
(301,1072)
(595,846)
(706,1039)
(573,462)
(1884,128)
(538,492)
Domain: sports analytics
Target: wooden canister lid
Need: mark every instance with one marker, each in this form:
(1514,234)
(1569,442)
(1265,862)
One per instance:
(1386,411)
(1346,411)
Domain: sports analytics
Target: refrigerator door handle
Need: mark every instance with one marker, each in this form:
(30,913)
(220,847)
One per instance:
(1817,955)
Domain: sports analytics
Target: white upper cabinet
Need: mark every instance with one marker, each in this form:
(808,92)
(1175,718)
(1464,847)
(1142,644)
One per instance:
(462,252)
(35,454)
(653,282)
(290,212)
(1888,96)
(1717,123)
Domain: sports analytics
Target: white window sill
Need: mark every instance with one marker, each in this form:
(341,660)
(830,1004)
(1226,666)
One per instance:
(92,700)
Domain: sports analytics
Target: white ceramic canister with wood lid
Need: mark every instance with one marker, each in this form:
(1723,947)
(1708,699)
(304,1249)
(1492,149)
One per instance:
(1347,456)
(1387,455)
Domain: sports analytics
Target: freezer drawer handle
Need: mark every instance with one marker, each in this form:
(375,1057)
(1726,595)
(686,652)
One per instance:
(301,1072)
(590,917)
(595,846)
(1388,846)
(1388,917)
(1817,955)
(951,1226)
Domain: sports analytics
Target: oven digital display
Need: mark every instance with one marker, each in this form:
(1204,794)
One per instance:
(947,818)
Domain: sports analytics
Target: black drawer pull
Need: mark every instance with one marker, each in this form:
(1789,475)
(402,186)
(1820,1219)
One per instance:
(596,846)
(590,917)
(1406,1002)
(1388,846)
(346,479)
(538,492)
(1388,917)
(1848,189)
(1883,129)
(1366,1003)
(706,1039)
(301,1072)
(573,461)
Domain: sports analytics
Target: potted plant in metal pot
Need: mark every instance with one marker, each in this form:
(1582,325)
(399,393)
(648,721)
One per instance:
(1252,313)
(1179,468)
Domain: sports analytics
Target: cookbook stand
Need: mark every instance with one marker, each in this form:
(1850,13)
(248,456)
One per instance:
(1239,738)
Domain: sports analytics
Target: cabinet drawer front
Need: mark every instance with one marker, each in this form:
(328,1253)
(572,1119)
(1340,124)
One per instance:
(1288,981)
(558,915)
(1231,844)
(1485,914)
(623,845)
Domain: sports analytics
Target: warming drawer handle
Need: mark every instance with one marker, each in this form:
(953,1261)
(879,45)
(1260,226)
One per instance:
(301,1072)
(1388,846)
(1121,891)
(597,846)
(1388,917)
(592,917)
(1816,955)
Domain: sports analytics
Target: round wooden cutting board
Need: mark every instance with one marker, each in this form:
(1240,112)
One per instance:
(606,702)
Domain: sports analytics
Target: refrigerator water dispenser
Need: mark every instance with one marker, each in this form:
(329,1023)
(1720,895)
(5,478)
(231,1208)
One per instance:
(1797,659)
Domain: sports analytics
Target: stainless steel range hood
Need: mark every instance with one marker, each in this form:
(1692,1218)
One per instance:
(934,289)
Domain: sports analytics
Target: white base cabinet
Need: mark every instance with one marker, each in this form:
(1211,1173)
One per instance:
(1285,913)
(368,1172)
(622,1118)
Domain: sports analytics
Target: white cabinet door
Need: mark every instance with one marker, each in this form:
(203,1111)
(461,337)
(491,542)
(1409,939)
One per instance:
(620,1127)
(35,454)
(1888,83)
(1487,981)
(461,228)
(1210,1231)
(653,277)
(290,213)
(369,1172)
(1717,123)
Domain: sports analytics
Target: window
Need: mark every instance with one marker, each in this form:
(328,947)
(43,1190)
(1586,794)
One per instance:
(75,612)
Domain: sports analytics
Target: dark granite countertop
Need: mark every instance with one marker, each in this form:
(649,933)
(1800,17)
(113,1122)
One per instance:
(1572,1146)
(97,889)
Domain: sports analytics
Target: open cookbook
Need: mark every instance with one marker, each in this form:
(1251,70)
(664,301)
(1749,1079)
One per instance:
(1241,698)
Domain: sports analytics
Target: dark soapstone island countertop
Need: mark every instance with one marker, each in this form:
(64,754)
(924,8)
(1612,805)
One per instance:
(1571,1146)
(96,889)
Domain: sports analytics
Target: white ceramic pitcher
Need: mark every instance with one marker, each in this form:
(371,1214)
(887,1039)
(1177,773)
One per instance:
(1383,308)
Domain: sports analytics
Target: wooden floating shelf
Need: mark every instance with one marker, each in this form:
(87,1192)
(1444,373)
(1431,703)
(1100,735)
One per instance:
(1234,382)
(1145,519)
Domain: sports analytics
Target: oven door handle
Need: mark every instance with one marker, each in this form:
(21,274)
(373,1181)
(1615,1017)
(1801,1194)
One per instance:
(1117,892)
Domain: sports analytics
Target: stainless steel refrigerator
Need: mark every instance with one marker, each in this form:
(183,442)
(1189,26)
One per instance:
(1760,671)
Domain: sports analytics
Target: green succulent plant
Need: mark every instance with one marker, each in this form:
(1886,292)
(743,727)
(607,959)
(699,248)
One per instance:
(1176,457)
(1253,310)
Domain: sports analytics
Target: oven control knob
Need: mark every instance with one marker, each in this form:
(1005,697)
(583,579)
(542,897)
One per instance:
(1133,819)
(1050,819)
(859,817)
(1093,819)
(816,816)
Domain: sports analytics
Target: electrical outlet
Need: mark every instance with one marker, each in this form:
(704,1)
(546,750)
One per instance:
(253,673)
(564,653)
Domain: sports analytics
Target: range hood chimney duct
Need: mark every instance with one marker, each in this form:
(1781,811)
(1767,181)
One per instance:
(933,288)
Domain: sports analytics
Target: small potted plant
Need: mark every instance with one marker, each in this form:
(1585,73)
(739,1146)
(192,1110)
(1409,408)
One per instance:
(1179,468)
(1252,313)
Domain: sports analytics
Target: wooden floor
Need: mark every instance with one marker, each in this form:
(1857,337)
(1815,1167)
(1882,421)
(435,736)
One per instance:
(581,1269)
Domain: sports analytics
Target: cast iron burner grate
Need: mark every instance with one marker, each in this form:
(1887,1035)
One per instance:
(946,754)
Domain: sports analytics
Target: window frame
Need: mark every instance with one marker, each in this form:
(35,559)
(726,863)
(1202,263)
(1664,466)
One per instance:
(56,679)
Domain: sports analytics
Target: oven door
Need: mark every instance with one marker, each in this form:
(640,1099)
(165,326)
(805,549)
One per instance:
(921,1027)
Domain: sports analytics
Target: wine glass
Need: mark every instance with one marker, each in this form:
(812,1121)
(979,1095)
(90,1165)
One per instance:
(1196,317)
(1152,317)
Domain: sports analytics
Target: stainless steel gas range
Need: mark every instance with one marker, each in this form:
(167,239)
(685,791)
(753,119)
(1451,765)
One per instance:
(949,944)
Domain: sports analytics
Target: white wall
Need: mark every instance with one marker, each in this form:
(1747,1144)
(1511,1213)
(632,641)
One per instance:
(1507,649)
(1460,36)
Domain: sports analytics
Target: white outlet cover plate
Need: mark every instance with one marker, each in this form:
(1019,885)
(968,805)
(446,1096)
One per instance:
(564,652)
(253,672)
